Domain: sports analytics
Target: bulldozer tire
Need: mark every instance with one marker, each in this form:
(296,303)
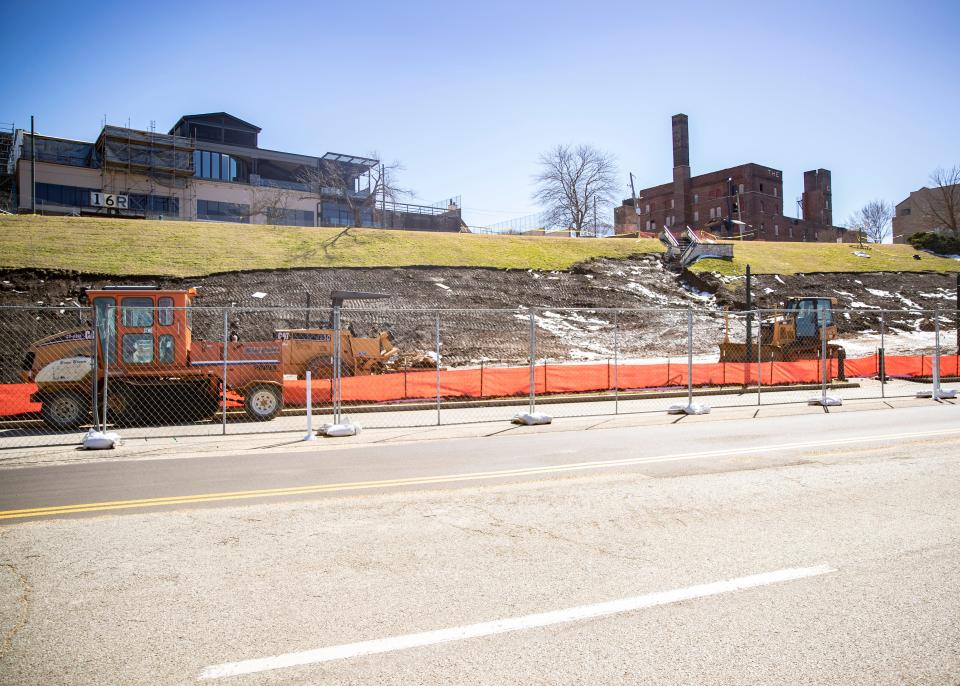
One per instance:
(262,402)
(64,410)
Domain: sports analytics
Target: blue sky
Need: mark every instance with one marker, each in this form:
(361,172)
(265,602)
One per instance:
(467,95)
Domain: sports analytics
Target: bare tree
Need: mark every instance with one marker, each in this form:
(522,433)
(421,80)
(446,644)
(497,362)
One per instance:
(941,206)
(267,201)
(872,221)
(576,186)
(343,182)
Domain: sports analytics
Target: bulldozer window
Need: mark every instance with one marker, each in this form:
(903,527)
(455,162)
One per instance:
(137,312)
(106,319)
(165,349)
(165,311)
(138,348)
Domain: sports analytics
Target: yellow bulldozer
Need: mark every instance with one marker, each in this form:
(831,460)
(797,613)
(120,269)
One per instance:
(793,333)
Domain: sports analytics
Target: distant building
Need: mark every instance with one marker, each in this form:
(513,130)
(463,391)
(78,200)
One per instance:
(208,167)
(924,210)
(745,201)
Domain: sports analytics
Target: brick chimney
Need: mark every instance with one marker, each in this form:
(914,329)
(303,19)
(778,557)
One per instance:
(681,170)
(817,198)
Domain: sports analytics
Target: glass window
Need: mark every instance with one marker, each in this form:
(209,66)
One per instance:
(205,164)
(165,311)
(233,169)
(105,313)
(137,312)
(214,165)
(196,162)
(165,349)
(138,348)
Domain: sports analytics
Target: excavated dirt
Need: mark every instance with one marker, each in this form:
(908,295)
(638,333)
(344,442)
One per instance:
(470,333)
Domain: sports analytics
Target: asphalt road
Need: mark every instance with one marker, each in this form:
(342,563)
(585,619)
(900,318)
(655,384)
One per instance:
(174,594)
(681,448)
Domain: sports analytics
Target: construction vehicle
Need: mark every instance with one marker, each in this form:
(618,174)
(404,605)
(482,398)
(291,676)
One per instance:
(149,367)
(313,350)
(793,333)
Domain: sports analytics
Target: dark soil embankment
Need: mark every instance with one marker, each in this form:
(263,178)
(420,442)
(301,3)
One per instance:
(469,332)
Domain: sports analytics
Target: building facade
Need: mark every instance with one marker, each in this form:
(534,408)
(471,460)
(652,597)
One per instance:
(209,167)
(744,202)
(927,209)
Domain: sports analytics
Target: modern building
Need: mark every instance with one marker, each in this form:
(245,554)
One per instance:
(745,201)
(927,209)
(208,167)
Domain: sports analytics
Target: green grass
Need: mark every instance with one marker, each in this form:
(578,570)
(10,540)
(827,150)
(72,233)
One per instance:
(168,248)
(799,258)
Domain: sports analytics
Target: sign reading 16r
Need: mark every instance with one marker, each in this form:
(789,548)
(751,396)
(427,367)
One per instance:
(101,199)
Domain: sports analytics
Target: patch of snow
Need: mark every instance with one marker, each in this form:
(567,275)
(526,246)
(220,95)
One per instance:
(768,291)
(858,281)
(945,294)
(877,292)
(908,302)
(441,285)
(864,306)
(860,253)
(845,294)
(777,277)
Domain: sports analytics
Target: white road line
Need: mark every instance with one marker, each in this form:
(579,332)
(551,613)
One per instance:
(572,614)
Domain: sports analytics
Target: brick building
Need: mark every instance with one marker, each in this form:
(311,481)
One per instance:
(745,201)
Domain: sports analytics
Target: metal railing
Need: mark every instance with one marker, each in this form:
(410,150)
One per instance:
(65,369)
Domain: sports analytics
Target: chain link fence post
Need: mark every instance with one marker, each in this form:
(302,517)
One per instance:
(759,355)
(689,356)
(616,362)
(437,341)
(533,362)
(111,316)
(223,383)
(336,364)
(95,373)
(882,363)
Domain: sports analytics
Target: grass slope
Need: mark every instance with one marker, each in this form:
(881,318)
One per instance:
(168,248)
(799,258)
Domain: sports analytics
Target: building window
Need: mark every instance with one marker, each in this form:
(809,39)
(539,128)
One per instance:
(671,203)
(791,231)
(776,229)
(741,188)
(761,188)
(775,191)
(905,212)
(647,210)
(218,166)
(696,216)
(284,217)
(696,198)
(215,210)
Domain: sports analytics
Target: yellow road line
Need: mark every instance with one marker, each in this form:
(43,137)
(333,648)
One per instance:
(448,478)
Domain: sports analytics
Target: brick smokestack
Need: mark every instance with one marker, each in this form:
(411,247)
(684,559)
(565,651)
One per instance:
(681,141)
(681,171)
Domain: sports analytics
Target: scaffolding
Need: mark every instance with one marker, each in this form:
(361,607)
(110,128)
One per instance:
(8,185)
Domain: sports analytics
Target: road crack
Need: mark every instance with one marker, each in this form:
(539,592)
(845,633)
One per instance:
(23,614)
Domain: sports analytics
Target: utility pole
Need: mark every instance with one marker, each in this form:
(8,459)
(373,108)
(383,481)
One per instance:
(33,167)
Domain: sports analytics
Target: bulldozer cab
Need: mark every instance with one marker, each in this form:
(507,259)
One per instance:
(810,315)
(142,327)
